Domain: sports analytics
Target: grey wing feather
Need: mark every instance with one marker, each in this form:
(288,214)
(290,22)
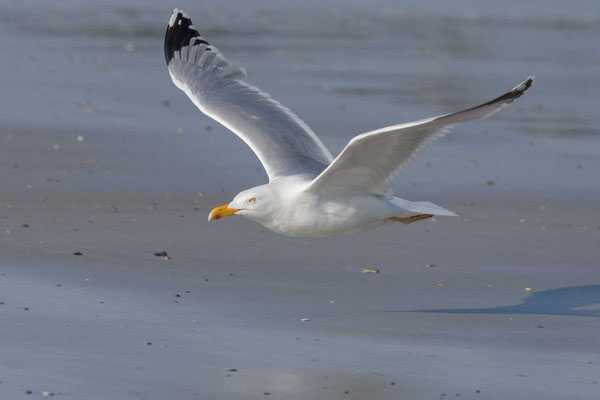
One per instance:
(284,144)
(370,160)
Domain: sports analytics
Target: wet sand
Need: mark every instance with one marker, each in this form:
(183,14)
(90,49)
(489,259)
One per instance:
(102,156)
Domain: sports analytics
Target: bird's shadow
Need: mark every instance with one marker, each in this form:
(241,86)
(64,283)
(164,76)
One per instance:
(561,301)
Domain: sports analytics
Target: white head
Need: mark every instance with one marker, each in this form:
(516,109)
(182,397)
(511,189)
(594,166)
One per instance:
(257,204)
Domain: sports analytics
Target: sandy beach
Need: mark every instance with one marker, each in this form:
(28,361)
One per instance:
(105,163)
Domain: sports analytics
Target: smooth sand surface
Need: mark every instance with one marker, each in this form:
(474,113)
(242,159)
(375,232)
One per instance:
(102,156)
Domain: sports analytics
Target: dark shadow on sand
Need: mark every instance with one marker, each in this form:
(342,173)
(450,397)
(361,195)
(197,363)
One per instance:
(562,301)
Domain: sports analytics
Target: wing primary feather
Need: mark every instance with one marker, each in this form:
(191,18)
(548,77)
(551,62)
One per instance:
(179,32)
(501,101)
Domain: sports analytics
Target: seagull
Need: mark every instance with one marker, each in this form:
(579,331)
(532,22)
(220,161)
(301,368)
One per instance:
(309,194)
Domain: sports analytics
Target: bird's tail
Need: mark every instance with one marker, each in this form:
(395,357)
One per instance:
(427,207)
(411,208)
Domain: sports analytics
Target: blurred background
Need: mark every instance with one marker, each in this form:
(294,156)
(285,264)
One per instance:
(101,155)
(96,69)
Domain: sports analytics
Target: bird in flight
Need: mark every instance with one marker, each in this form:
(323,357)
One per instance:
(309,194)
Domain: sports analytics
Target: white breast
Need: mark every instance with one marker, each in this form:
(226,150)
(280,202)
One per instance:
(312,215)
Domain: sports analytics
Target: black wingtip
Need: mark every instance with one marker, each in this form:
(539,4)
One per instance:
(513,94)
(521,88)
(179,32)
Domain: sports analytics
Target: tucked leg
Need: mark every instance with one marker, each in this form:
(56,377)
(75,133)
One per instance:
(412,219)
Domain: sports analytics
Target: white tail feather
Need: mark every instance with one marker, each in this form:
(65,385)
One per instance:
(427,207)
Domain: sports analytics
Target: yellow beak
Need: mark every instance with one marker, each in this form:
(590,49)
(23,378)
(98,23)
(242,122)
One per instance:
(222,211)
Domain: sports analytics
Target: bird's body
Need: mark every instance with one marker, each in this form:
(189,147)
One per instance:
(320,215)
(298,212)
(309,194)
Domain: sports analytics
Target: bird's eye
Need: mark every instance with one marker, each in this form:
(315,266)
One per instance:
(252,200)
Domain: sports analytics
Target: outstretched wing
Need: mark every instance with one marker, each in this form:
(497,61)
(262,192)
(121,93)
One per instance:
(283,143)
(370,160)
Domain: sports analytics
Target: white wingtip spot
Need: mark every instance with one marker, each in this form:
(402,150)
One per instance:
(173,17)
(525,84)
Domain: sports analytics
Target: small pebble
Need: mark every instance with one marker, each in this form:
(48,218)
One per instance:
(370,271)
(304,319)
(430,265)
(78,253)
(232,369)
(489,182)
